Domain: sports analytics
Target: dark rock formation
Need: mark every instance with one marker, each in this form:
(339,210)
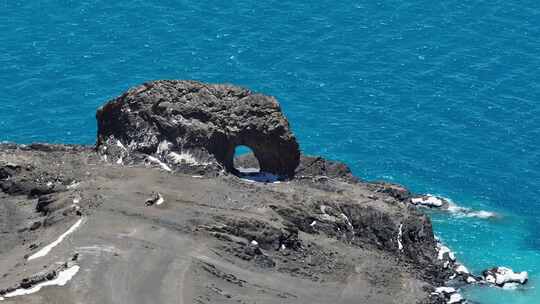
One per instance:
(191,123)
(309,166)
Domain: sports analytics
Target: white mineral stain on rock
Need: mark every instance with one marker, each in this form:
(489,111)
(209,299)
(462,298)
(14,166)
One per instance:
(45,250)
(160,200)
(61,279)
(400,237)
(120,145)
(184,157)
(73,185)
(160,163)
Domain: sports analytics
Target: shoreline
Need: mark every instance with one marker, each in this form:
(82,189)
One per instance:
(163,178)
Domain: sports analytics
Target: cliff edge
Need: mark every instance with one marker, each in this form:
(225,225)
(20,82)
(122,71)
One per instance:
(157,212)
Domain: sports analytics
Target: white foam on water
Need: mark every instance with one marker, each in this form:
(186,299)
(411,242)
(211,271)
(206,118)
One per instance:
(507,275)
(482,214)
(462,269)
(428,200)
(446,290)
(442,250)
(61,279)
(460,211)
(455,298)
(510,286)
(160,163)
(45,250)
(470,280)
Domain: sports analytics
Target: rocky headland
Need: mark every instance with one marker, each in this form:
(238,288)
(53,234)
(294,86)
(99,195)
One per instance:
(159,211)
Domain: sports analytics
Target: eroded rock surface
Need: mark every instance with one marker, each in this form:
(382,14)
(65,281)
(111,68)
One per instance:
(190,123)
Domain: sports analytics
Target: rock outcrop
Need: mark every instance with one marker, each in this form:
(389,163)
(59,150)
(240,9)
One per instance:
(188,123)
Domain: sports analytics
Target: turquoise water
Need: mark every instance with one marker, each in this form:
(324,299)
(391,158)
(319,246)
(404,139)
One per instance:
(440,96)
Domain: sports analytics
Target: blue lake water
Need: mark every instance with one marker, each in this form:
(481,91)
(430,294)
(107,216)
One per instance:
(441,96)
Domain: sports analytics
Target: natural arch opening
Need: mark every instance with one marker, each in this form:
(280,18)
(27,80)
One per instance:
(245,161)
(247,166)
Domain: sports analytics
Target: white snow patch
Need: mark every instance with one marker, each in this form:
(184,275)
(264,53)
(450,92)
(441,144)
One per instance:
(160,163)
(313,223)
(254,243)
(282,247)
(61,279)
(197,176)
(119,161)
(45,250)
(400,237)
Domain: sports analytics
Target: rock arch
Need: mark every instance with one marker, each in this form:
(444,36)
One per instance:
(200,122)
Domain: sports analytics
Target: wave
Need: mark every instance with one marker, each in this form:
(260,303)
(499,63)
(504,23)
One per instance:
(460,211)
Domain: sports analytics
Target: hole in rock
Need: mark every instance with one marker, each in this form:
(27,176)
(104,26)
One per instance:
(248,166)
